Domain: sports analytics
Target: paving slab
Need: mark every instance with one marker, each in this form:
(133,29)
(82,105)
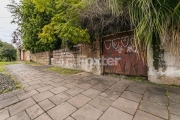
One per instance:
(101,103)
(161,99)
(154,108)
(46,104)
(74,91)
(100,87)
(85,86)
(87,112)
(59,98)
(111,94)
(43,117)
(45,88)
(21,106)
(59,90)
(118,88)
(34,111)
(13,93)
(20,116)
(132,96)
(27,94)
(42,96)
(69,118)
(33,87)
(157,90)
(4,114)
(8,101)
(1,97)
(139,90)
(174,117)
(115,114)
(125,105)
(71,85)
(140,115)
(174,97)
(174,108)
(174,90)
(79,100)
(92,93)
(62,111)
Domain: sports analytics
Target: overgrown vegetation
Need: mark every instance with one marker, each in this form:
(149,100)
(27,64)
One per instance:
(64,70)
(49,24)
(32,63)
(7,52)
(7,82)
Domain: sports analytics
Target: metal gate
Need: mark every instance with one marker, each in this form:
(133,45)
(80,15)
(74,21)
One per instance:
(120,55)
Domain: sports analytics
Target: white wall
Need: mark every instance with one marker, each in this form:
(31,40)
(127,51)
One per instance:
(169,75)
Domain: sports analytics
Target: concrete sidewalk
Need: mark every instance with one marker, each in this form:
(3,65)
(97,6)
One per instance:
(51,96)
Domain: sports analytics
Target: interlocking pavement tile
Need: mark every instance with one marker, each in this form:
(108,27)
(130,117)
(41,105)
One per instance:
(79,100)
(21,106)
(100,87)
(4,114)
(85,86)
(114,114)
(33,87)
(42,96)
(111,94)
(125,105)
(101,103)
(43,117)
(27,94)
(140,115)
(20,116)
(34,111)
(62,111)
(132,96)
(161,99)
(136,89)
(174,108)
(59,98)
(74,91)
(154,108)
(174,117)
(87,112)
(8,101)
(45,88)
(59,90)
(46,104)
(174,97)
(92,93)
(13,93)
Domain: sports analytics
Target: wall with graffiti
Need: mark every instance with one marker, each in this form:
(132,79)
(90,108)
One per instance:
(120,55)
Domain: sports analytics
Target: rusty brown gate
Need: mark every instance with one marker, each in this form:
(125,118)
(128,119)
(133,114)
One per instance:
(120,55)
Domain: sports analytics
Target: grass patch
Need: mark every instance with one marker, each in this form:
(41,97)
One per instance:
(3,64)
(64,70)
(32,63)
(7,82)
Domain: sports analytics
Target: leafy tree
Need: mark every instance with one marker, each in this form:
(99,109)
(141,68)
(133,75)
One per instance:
(31,21)
(7,52)
(155,21)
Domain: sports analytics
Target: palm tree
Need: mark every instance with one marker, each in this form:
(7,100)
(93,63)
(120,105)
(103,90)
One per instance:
(154,20)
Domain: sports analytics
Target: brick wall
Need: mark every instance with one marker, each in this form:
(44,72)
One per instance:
(42,58)
(84,57)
